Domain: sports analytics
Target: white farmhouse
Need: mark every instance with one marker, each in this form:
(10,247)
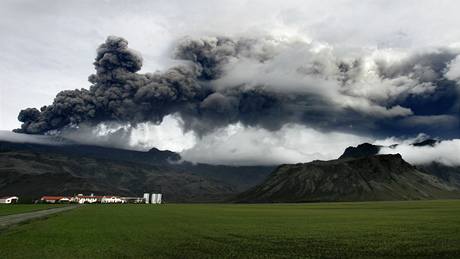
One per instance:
(9,199)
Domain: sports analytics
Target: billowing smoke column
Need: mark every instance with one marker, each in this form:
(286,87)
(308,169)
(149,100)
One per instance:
(118,93)
(224,81)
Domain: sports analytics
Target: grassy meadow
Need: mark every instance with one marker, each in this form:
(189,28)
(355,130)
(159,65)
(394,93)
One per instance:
(8,209)
(365,229)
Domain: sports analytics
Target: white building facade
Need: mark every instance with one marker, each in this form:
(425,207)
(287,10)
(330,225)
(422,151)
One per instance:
(9,200)
(112,199)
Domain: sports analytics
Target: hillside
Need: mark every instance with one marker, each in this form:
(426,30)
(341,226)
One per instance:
(32,170)
(449,174)
(380,177)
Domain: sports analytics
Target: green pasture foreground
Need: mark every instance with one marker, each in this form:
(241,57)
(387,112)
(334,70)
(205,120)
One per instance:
(428,229)
(8,209)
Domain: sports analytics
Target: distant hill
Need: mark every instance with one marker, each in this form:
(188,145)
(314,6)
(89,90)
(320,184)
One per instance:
(378,177)
(33,170)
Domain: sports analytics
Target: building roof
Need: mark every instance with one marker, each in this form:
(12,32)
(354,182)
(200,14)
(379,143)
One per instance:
(8,197)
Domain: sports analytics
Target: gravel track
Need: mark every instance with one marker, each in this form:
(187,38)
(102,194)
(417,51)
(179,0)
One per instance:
(6,221)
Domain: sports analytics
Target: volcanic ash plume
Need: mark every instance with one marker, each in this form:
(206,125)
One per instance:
(260,82)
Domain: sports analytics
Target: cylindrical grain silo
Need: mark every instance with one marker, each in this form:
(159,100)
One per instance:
(158,201)
(154,198)
(146,197)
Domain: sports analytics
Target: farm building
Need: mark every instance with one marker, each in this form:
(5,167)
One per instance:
(9,199)
(80,198)
(112,199)
(85,199)
(55,199)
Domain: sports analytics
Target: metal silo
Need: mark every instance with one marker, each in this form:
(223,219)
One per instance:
(146,197)
(154,198)
(158,201)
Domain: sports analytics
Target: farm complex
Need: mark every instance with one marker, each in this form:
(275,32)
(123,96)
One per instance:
(154,198)
(149,198)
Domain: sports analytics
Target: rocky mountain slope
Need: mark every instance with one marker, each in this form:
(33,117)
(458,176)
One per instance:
(374,177)
(449,174)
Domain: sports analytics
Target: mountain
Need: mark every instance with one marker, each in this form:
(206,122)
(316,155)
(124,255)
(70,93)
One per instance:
(32,170)
(153,156)
(362,150)
(377,177)
(63,168)
(449,174)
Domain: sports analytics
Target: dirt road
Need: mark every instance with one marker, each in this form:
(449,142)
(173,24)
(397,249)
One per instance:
(9,220)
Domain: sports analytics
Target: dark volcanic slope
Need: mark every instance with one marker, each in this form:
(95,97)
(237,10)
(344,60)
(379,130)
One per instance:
(32,170)
(450,174)
(31,175)
(381,177)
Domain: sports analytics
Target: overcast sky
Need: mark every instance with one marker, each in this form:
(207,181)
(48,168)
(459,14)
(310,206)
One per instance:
(49,46)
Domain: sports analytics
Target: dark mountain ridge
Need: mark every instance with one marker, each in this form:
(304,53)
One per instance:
(377,177)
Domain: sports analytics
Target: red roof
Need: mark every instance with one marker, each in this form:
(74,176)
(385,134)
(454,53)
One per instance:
(53,198)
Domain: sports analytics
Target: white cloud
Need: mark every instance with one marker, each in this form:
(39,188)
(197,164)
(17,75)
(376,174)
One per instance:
(167,135)
(239,145)
(453,71)
(447,152)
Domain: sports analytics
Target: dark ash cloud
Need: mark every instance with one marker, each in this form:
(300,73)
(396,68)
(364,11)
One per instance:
(259,83)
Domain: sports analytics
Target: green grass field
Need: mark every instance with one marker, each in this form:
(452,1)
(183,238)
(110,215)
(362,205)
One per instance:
(8,209)
(371,229)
